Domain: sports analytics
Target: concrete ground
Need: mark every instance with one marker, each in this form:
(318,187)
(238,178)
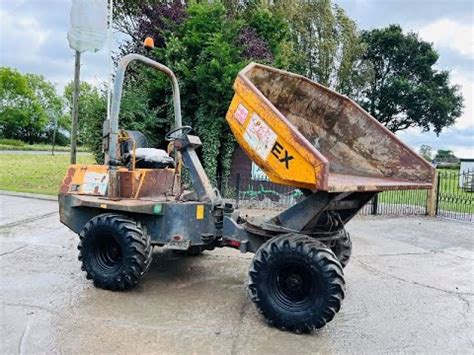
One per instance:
(409,289)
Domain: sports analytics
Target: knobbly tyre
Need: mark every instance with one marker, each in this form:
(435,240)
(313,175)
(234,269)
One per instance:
(301,134)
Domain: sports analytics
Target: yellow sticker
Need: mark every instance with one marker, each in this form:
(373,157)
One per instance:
(200,212)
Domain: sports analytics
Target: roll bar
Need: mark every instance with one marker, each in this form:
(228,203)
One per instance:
(117,97)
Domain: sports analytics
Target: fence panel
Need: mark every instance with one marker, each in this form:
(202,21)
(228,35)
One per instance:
(397,203)
(456,195)
(262,194)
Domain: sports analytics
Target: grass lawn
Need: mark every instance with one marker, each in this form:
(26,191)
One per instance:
(40,174)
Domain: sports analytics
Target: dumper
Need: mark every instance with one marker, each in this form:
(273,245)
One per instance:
(305,135)
(301,134)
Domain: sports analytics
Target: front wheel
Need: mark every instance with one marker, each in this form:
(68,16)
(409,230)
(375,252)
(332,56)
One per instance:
(296,282)
(115,252)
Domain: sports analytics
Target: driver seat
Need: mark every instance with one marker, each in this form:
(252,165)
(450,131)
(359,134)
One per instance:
(151,158)
(145,158)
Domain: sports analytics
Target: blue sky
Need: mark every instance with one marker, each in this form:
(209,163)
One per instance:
(33,39)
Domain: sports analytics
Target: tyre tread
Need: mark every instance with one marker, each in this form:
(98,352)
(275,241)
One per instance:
(330,268)
(135,265)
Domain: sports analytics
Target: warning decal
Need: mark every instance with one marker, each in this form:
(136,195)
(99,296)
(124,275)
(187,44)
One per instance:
(95,183)
(241,114)
(259,136)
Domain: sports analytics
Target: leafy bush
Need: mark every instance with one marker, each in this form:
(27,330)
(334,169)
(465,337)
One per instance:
(206,48)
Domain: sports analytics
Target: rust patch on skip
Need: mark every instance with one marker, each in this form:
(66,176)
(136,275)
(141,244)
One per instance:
(146,183)
(64,188)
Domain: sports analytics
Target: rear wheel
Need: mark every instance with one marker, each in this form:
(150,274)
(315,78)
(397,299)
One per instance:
(115,252)
(296,282)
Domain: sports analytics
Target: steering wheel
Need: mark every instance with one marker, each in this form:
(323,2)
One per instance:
(174,135)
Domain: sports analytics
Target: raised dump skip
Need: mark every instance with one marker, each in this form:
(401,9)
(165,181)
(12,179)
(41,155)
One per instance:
(348,149)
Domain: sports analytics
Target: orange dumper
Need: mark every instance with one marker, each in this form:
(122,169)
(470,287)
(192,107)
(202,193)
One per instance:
(301,134)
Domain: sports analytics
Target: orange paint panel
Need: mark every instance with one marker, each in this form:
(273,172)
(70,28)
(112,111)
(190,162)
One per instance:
(78,179)
(277,150)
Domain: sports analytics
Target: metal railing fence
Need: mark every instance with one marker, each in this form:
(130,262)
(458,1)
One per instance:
(454,196)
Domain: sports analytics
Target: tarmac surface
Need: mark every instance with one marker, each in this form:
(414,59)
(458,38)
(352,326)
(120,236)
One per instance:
(409,289)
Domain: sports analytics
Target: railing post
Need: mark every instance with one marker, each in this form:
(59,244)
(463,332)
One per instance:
(375,204)
(432,197)
(237,190)
(438,192)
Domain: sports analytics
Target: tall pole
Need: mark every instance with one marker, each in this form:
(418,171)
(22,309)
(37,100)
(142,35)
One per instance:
(75,107)
(54,134)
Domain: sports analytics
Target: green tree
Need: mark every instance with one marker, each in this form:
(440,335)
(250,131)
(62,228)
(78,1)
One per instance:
(446,156)
(206,58)
(52,105)
(404,90)
(205,47)
(92,111)
(426,152)
(324,40)
(29,106)
(17,104)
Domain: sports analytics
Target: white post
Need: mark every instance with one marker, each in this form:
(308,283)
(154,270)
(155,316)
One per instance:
(109,58)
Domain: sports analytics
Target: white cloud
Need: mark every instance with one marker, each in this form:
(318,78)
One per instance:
(21,34)
(467,89)
(450,34)
(33,40)
(460,141)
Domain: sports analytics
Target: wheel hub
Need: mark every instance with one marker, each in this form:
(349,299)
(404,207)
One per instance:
(108,252)
(294,283)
